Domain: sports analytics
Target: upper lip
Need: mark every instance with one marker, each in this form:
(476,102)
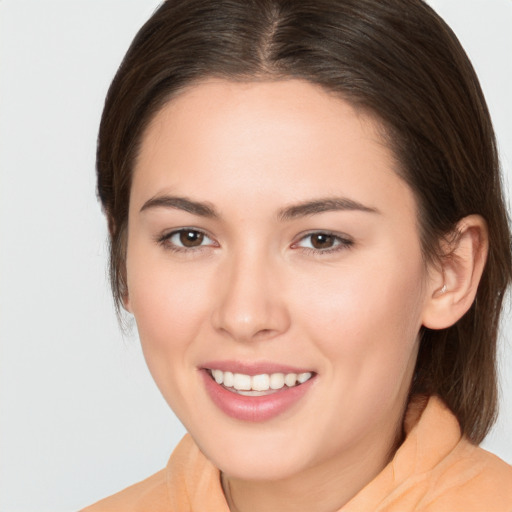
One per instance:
(253,368)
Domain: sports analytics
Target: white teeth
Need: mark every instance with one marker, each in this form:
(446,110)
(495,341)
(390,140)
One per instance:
(303,377)
(228,379)
(242,382)
(277,380)
(290,379)
(262,382)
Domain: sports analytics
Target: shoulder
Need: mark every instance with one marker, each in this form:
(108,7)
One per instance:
(150,494)
(189,482)
(461,476)
(437,469)
(470,479)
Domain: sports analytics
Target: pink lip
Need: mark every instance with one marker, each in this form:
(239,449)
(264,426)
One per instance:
(254,408)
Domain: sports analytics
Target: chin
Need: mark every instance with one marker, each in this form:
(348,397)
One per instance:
(254,456)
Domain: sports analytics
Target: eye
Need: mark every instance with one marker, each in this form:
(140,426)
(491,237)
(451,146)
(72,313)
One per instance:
(321,241)
(186,238)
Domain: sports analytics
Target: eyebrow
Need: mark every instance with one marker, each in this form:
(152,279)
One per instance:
(291,212)
(323,205)
(181,203)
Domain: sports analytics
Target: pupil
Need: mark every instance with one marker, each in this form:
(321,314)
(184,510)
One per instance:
(322,241)
(191,238)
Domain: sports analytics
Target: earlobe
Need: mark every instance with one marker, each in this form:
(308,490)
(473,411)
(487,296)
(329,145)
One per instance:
(453,286)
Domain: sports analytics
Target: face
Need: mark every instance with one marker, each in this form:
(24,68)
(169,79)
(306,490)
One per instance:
(275,274)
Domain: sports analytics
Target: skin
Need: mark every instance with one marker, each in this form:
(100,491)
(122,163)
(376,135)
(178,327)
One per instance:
(255,289)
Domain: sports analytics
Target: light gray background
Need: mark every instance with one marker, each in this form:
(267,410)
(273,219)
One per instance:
(80,417)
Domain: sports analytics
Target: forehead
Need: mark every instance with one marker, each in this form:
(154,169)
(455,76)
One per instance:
(290,138)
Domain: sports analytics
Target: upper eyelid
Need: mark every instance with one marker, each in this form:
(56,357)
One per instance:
(336,234)
(167,235)
(170,232)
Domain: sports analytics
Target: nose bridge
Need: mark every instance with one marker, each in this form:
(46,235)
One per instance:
(250,304)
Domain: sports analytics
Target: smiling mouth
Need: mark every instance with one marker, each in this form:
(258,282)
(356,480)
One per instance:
(258,385)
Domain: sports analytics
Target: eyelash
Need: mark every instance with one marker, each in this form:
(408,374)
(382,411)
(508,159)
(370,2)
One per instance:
(340,242)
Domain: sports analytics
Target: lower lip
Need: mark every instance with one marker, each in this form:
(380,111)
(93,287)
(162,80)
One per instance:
(253,408)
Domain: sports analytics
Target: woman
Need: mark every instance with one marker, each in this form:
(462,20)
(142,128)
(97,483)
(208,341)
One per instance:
(307,224)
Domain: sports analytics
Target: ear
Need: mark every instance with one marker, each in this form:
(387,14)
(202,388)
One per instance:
(125,294)
(454,281)
(126,303)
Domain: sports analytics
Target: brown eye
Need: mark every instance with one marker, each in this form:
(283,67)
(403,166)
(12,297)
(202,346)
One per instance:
(186,240)
(189,238)
(322,240)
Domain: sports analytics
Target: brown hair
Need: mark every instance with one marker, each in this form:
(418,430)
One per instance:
(394,58)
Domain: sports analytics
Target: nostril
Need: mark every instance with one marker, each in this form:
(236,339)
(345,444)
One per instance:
(264,333)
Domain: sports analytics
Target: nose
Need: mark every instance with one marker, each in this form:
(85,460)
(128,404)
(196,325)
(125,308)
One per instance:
(250,304)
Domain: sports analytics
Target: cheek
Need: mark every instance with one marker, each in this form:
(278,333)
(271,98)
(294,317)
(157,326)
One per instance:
(170,306)
(367,319)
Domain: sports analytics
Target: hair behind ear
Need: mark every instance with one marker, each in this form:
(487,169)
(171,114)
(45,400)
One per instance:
(455,339)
